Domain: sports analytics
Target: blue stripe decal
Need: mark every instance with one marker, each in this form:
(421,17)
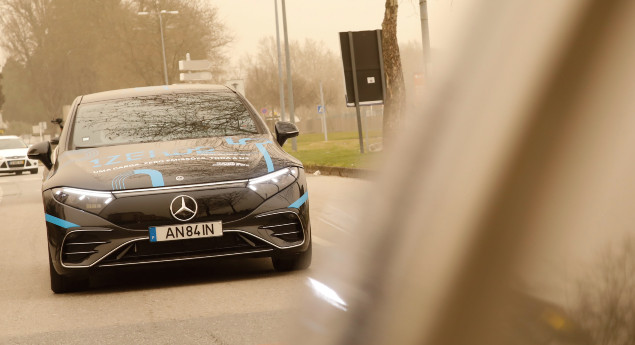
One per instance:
(155,176)
(153,234)
(59,222)
(118,181)
(265,154)
(260,146)
(300,201)
(244,141)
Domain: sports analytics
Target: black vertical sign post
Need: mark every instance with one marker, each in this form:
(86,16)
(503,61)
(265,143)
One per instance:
(363,72)
(356,92)
(381,65)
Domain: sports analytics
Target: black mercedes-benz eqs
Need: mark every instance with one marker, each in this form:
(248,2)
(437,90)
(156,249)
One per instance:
(170,174)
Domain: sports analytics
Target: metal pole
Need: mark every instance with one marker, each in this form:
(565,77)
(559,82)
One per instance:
(326,136)
(425,35)
(280,81)
(165,65)
(294,142)
(366,127)
(356,93)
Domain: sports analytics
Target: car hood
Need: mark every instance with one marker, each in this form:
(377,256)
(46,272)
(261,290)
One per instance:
(172,163)
(13,152)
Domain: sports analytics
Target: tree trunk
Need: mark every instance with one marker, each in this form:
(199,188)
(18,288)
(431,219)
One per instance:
(395,88)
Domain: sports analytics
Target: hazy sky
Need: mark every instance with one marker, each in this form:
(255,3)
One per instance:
(250,20)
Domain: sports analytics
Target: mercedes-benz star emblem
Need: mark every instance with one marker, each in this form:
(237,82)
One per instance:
(183,208)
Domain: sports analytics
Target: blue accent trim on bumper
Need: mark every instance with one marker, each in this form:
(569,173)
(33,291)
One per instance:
(300,201)
(59,222)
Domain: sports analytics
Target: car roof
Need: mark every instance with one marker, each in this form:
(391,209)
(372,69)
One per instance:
(2,137)
(152,90)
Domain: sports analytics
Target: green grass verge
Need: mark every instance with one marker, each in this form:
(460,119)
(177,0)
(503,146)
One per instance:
(342,150)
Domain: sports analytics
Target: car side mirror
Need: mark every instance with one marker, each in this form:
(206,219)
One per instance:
(55,141)
(284,131)
(42,152)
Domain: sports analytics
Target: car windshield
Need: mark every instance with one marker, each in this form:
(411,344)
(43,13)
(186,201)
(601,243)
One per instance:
(161,118)
(6,144)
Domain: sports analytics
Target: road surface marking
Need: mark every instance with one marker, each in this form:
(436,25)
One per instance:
(332,225)
(321,242)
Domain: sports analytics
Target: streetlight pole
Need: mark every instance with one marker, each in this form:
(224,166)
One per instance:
(165,64)
(294,142)
(425,35)
(159,13)
(280,82)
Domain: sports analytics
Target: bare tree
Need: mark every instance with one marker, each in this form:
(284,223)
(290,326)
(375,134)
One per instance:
(314,63)
(395,88)
(606,301)
(65,48)
(1,94)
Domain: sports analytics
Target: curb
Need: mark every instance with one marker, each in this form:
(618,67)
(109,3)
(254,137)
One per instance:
(340,171)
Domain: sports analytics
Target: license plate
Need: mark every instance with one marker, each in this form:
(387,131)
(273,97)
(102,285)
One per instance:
(185,231)
(16,163)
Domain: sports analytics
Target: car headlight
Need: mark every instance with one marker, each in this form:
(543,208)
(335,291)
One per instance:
(270,184)
(87,200)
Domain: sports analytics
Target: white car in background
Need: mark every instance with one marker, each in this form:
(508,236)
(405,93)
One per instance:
(13,157)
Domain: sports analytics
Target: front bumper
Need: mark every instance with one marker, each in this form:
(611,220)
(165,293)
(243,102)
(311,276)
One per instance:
(81,241)
(13,164)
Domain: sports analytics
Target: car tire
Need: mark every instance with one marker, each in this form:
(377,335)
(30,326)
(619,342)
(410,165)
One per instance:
(292,263)
(18,173)
(62,284)
(33,171)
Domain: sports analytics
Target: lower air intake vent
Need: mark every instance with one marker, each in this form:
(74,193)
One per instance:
(285,226)
(79,246)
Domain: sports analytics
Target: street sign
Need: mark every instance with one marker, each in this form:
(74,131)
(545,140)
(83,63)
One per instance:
(362,56)
(196,76)
(195,65)
(320,109)
(363,67)
(36,129)
(264,111)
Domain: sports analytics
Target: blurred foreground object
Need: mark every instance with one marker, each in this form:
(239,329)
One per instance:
(498,196)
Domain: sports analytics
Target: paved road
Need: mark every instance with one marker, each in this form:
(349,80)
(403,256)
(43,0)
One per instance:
(226,302)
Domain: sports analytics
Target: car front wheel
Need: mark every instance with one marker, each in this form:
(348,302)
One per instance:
(62,284)
(294,262)
(33,171)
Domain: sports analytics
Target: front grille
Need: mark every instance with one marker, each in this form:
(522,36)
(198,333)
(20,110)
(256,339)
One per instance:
(12,164)
(146,250)
(79,246)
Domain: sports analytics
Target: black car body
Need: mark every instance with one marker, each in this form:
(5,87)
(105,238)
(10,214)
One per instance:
(168,174)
